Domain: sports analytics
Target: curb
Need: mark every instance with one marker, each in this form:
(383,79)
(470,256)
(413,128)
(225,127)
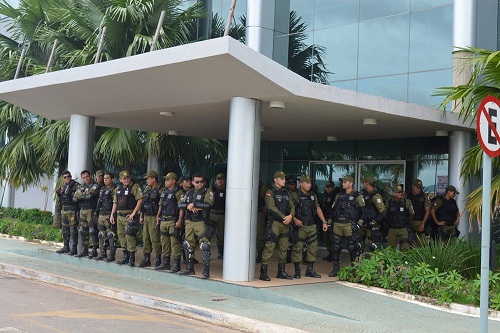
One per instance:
(187,310)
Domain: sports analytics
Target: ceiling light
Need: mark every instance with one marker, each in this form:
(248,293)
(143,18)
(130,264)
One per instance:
(166,114)
(331,138)
(369,121)
(277,104)
(173,133)
(441,133)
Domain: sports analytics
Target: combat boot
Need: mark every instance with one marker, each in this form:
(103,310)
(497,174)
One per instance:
(103,254)
(206,271)
(263,273)
(282,274)
(94,252)
(64,249)
(158,260)
(335,270)
(146,262)
(177,265)
(310,271)
(112,252)
(74,240)
(84,252)
(220,252)
(258,260)
(125,259)
(297,270)
(189,270)
(131,261)
(165,265)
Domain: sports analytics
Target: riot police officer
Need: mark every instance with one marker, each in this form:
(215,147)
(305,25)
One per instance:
(127,201)
(374,215)
(106,233)
(422,207)
(93,229)
(328,198)
(399,213)
(261,221)
(217,214)
(347,214)
(446,214)
(69,211)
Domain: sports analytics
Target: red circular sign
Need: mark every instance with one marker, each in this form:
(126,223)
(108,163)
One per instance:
(488,117)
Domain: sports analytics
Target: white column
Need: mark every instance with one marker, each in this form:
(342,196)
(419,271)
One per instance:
(459,142)
(154,164)
(81,144)
(7,191)
(242,188)
(260,26)
(464,23)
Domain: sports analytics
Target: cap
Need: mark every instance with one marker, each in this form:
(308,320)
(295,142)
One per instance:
(99,173)
(291,181)
(418,183)
(370,180)
(279,174)
(220,176)
(170,175)
(186,178)
(397,188)
(124,174)
(347,178)
(305,179)
(452,188)
(329,184)
(151,173)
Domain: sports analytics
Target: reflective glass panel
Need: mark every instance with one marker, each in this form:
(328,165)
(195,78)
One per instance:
(328,150)
(425,4)
(387,175)
(434,175)
(383,46)
(330,13)
(351,85)
(394,87)
(392,149)
(379,8)
(304,10)
(421,86)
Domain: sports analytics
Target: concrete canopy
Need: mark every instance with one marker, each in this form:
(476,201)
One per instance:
(195,83)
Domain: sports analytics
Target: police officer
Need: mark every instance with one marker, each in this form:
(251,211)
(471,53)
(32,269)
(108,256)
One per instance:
(399,213)
(307,207)
(99,177)
(374,215)
(217,214)
(127,201)
(281,210)
(261,221)
(69,211)
(186,183)
(87,196)
(170,218)
(149,211)
(104,206)
(291,185)
(347,214)
(196,204)
(328,198)
(93,230)
(446,214)
(422,207)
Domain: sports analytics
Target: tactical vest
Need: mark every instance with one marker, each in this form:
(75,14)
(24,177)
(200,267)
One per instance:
(282,202)
(150,201)
(306,209)
(329,198)
(370,208)
(418,203)
(66,197)
(169,204)
(125,198)
(346,207)
(398,215)
(105,202)
(219,199)
(195,197)
(88,200)
(448,211)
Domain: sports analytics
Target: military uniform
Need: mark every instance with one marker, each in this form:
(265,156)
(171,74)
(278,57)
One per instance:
(399,214)
(446,210)
(421,205)
(326,207)
(87,196)
(198,229)
(69,219)
(107,232)
(374,217)
(261,221)
(217,215)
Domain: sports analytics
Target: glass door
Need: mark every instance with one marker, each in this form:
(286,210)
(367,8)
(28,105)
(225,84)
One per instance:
(387,174)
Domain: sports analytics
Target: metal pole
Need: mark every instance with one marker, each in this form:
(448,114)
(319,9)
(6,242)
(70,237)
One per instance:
(99,47)
(20,63)
(485,244)
(230,17)
(51,58)
(158,29)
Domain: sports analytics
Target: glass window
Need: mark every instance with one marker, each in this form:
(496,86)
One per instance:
(425,4)
(289,151)
(379,8)
(428,148)
(421,86)
(334,13)
(332,151)
(341,44)
(304,10)
(350,84)
(431,39)
(383,46)
(392,149)
(433,174)
(394,87)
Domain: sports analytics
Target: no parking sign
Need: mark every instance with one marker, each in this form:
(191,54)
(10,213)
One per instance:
(488,116)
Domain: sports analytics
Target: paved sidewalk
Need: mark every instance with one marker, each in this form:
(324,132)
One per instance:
(313,307)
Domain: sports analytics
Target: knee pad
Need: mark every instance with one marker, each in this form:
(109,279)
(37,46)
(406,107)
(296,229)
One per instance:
(83,231)
(205,246)
(111,235)
(100,235)
(186,246)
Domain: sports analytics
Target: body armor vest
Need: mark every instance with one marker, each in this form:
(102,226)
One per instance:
(398,215)
(306,209)
(329,198)
(194,197)
(346,207)
(169,204)
(448,211)
(219,198)
(105,202)
(418,203)
(88,200)
(370,208)
(125,198)
(150,201)
(282,202)
(66,197)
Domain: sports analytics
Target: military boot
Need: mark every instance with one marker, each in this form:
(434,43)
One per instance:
(158,260)
(220,252)
(74,240)
(125,259)
(146,262)
(165,265)
(64,249)
(258,259)
(263,273)
(84,252)
(296,265)
(112,251)
(282,274)
(94,252)
(335,270)
(189,270)
(177,265)
(206,271)
(131,261)
(310,271)
(66,237)
(103,254)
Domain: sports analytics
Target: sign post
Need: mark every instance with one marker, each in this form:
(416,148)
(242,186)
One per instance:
(489,139)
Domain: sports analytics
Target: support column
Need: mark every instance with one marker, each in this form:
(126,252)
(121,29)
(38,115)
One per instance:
(242,189)
(260,26)
(459,142)
(154,164)
(81,144)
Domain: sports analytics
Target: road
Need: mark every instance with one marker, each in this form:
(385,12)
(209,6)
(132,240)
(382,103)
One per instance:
(31,306)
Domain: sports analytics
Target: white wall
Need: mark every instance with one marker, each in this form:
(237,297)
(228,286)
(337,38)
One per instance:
(34,197)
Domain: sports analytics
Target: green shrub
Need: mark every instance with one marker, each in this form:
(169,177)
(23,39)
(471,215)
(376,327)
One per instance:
(30,231)
(29,215)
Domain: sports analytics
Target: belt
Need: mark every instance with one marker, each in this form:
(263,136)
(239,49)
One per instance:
(168,219)
(123,214)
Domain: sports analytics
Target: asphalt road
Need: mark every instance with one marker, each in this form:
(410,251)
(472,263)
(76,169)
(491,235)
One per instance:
(31,306)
